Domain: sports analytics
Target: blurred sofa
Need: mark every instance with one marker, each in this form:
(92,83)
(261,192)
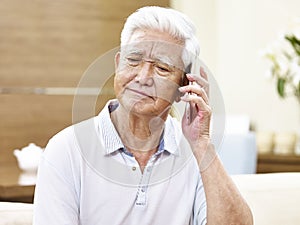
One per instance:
(273,198)
(238,148)
(238,153)
(13,213)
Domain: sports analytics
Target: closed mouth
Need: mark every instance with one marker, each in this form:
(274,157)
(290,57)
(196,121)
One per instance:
(141,93)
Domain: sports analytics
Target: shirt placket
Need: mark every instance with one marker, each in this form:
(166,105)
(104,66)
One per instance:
(142,192)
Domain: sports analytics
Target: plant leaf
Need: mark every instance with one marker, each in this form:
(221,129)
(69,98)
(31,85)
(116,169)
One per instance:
(281,87)
(294,42)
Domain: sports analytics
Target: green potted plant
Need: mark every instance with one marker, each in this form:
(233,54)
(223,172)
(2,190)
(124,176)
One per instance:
(284,56)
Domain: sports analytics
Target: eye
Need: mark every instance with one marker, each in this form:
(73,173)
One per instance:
(133,60)
(163,69)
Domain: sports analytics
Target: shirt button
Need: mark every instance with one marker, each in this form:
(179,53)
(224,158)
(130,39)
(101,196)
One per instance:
(133,168)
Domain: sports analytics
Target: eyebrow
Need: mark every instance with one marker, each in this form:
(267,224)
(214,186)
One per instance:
(160,58)
(134,52)
(164,59)
(172,63)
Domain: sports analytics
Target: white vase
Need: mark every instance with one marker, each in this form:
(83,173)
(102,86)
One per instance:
(285,143)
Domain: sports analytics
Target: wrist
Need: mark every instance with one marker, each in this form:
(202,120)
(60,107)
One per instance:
(200,145)
(204,152)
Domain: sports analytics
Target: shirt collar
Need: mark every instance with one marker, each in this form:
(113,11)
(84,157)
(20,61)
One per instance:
(112,141)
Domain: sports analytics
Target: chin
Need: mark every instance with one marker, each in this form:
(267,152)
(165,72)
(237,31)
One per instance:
(144,106)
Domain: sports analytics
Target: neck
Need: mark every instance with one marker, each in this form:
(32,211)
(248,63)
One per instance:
(138,132)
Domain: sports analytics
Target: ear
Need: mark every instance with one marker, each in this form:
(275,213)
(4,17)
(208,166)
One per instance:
(177,97)
(117,60)
(185,81)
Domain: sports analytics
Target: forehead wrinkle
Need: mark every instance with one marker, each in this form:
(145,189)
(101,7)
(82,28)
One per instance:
(155,50)
(164,59)
(159,53)
(142,48)
(135,50)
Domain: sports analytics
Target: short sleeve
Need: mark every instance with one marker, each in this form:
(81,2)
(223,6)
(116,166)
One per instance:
(56,199)
(199,210)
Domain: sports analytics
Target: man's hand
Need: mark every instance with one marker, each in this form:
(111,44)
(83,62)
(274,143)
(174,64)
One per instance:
(197,116)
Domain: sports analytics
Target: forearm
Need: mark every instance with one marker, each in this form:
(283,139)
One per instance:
(225,205)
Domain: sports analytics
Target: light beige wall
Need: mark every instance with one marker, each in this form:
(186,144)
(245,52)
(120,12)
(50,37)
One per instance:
(232,32)
(203,13)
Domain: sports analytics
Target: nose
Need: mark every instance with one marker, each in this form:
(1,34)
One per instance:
(145,74)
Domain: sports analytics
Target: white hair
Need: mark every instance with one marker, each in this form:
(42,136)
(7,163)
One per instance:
(175,23)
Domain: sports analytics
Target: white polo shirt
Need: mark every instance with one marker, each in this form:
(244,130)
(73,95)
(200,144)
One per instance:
(86,177)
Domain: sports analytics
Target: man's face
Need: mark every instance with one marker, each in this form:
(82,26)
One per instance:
(149,72)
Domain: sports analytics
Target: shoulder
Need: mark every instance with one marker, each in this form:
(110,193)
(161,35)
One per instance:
(64,144)
(68,134)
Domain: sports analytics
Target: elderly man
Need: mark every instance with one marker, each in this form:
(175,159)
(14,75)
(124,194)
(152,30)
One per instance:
(131,164)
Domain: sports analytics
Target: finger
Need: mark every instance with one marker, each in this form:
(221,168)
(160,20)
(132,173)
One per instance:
(200,102)
(196,78)
(195,90)
(199,80)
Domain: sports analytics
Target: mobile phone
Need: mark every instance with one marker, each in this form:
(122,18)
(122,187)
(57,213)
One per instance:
(192,68)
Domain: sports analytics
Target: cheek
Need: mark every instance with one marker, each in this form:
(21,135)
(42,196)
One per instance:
(117,86)
(167,89)
(122,78)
